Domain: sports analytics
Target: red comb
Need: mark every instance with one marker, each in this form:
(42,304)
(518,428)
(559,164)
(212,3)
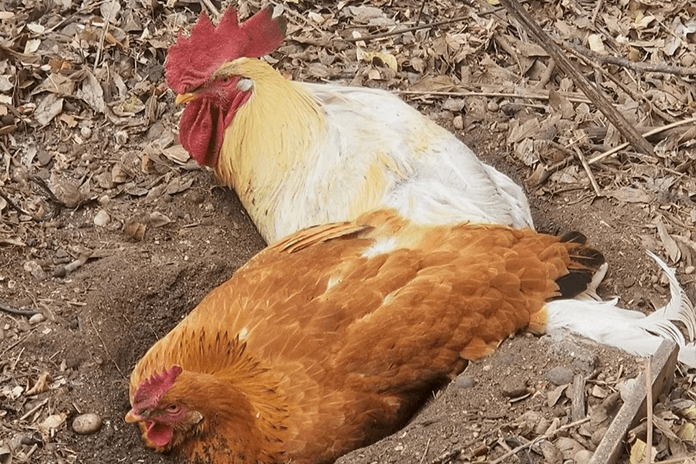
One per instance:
(150,391)
(191,61)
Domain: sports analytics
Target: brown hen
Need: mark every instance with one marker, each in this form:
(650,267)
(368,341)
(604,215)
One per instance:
(334,337)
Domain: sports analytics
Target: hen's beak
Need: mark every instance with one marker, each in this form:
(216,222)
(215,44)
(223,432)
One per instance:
(132,417)
(184,97)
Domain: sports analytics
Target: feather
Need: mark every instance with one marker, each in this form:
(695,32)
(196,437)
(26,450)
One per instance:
(632,331)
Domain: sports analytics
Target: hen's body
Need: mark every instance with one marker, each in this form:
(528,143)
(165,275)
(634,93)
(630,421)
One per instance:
(331,339)
(365,149)
(342,151)
(301,154)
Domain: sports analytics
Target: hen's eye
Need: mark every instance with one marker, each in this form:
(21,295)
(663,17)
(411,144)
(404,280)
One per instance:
(173,408)
(225,80)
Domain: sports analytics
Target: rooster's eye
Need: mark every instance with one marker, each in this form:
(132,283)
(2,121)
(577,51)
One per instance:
(225,80)
(173,408)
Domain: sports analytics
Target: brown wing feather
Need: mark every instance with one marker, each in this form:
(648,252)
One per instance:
(352,342)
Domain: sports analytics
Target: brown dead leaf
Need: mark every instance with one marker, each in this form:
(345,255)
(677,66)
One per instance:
(158,219)
(135,230)
(668,242)
(178,185)
(91,92)
(630,195)
(49,107)
(40,386)
(177,153)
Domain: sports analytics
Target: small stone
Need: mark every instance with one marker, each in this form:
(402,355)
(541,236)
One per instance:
(86,424)
(493,107)
(628,281)
(35,270)
(688,59)
(514,387)
(464,381)
(689,270)
(458,122)
(582,457)
(85,132)
(560,375)
(101,218)
(36,318)
(59,271)
(598,435)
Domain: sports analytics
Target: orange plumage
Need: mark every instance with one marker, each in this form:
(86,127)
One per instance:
(333,337)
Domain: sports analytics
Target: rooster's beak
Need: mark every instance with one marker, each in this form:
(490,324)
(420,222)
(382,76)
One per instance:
(132,417)
(184,97)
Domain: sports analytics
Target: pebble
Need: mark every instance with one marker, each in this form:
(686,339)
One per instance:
(86,424)
(101,218)
(598,435)
(458,122)
(582,457)
(36,318)
(493,107)
(59,271)
(35,270)
(514,387)
(464,381)
(688,59)
(85,132)
(560,375)
(689,270)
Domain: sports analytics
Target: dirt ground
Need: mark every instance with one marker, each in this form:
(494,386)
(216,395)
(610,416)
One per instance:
(143,234)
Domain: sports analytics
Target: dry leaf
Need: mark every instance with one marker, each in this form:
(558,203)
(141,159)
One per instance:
(49,107)
(158,219)
(668,242)
(135,230)
(177,153)
(50,425)
(378,58)
(40,386)
(630,195)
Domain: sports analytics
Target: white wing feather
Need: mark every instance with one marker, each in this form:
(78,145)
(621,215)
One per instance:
(380,152)
(632,331)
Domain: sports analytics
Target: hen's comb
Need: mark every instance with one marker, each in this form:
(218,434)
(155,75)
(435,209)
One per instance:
(150,391)
(190,62)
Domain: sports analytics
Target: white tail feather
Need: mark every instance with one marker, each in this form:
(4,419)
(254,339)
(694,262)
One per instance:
(632,331)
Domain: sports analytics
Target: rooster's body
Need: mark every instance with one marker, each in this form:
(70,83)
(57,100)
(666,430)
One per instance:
(301,154)
(332,338)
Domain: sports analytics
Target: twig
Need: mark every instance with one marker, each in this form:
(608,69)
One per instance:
(211,8)
(539,438)
(562,61)
(595,13)
(6,350)
(423,26)
(420,11)
(18,311)
(455,453)
(34,409)
(13,205)
(586,166)
(601,156)
(530,96)
(425,452)
(635,65)
(404,30)
(107,350)
(649,405)
(107,21)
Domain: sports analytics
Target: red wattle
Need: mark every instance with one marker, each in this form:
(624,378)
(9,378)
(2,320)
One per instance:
(203,124)
(158,433)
